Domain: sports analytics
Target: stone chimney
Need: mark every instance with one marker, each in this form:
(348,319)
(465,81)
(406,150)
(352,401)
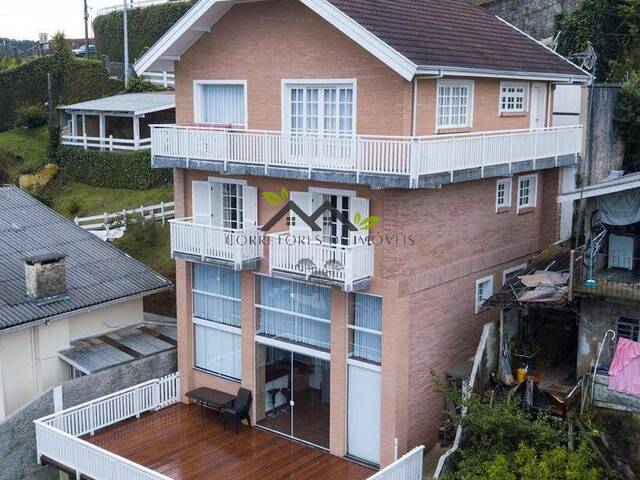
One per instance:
(45,275)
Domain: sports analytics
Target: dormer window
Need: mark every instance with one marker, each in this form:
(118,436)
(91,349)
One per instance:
(455,104)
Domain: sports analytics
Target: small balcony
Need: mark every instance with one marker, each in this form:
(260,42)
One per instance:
(349,266)
(607,275)
(240,249)
(378,161)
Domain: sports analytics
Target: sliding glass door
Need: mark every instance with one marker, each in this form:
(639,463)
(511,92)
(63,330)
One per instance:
(293,394)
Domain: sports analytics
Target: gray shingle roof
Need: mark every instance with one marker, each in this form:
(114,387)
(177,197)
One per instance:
(96,272)
(453,33)
(134,103)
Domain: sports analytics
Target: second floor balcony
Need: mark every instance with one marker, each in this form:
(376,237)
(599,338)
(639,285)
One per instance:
(378,161)
(238,248)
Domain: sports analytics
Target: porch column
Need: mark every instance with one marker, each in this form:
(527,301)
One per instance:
(136,131)
(338,374)
(102,133)
(74,124)
(84,130)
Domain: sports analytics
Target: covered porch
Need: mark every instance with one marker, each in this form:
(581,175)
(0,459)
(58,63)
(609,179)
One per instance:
(120,122)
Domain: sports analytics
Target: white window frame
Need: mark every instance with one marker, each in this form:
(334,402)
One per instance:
(288,83)
(197,99)
(525,97)
(508,183)
(533,191)
(223,328)
(479,282)
(452,83)
(511,270)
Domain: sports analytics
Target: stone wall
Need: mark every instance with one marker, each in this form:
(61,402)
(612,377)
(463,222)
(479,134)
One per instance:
(536,17)
(17,433)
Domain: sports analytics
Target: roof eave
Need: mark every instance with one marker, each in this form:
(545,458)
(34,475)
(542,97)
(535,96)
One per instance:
(492,73)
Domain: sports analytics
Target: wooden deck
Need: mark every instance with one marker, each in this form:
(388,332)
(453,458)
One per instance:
(185,442)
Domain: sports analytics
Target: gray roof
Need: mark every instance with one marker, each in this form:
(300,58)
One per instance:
(97,273)
(90,355)
(605,187)
(133,103)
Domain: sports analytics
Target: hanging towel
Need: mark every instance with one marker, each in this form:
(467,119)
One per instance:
(624,373)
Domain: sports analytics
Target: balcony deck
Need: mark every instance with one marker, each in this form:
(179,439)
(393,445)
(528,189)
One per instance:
(185,442)
(377,161)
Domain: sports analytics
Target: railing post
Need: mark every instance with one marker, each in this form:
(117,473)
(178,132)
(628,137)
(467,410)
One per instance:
(483,155)
(510,150)
(535,148)
(557,144)
(162,212)
(106,224)
(111,143)
(414,159)
(165,81)
(136,401)
(76,221)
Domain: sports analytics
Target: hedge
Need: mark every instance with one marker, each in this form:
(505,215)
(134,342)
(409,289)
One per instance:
(146,26)
(131,170)
(73,81)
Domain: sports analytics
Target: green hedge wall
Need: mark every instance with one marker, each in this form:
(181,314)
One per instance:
(73,81)
(131,170)
(146,26)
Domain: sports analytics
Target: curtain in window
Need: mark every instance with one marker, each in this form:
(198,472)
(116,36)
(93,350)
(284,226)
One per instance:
(212,283)
(294,298)
(367,314)
(218,351)
(223,104)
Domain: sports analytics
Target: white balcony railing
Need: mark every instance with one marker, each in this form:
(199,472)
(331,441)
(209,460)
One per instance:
(406,156)
(216,243)
(57,435)
(340,264)
(106,143)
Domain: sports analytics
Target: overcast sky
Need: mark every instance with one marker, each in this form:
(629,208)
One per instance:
(25,19)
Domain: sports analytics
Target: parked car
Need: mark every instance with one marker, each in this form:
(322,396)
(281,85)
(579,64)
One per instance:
(79,52)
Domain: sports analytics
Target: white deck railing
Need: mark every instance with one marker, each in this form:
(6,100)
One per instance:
(207,241)
(407,156)
(407,467)
(162,212)
(164,78)
(308,257)
(106,143)
(57,434)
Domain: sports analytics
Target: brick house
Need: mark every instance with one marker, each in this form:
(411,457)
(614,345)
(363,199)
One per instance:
(432,116)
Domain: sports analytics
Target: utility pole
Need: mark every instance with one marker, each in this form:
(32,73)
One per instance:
(86,30)
(126,45)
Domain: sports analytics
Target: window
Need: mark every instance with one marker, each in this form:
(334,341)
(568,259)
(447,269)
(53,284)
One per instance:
(294,312)
(629,328)
(455,100)
(511,273)
(220,102)
(365,328)
(503,193)
(216,312)
(513,97)
(484,290)
(232,205)
(322,109)
(333,231)
(527,191)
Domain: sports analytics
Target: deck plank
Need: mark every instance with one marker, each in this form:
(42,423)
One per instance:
(185,442)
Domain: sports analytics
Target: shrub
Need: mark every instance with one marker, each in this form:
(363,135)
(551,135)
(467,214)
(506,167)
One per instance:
(131,170)
(628,118)
(30,116)
(138,85)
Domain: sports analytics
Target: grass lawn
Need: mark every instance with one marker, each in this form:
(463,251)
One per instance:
(23,151)
(78,199)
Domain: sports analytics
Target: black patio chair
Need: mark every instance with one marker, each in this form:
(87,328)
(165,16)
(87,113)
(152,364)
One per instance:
(239,409)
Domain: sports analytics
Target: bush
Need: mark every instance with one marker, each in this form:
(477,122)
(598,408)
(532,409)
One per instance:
(628,118)
(138,85)
(131,170)
(30,116)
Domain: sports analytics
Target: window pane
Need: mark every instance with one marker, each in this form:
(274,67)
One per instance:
(223,104)
(211,284)
(365,328)
(218,351)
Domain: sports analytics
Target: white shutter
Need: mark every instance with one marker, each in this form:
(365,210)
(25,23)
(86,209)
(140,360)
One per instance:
(201,202)
(303,200)
(361,206)
(250,205)
(216,204)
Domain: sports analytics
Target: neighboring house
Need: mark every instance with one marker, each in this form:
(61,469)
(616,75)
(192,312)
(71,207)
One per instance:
(58,284)
(121,122)
(433,117)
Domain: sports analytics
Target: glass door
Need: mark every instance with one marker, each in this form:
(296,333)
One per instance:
(293,394)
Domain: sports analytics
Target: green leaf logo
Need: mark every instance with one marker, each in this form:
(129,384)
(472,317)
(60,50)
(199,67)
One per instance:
(277,200)
(366,223)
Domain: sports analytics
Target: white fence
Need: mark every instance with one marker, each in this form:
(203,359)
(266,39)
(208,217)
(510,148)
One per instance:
(164,78)
(57,434)
(407,467)
(163,211)
(338,263)
(106,143)
(410,156)
(207,241)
